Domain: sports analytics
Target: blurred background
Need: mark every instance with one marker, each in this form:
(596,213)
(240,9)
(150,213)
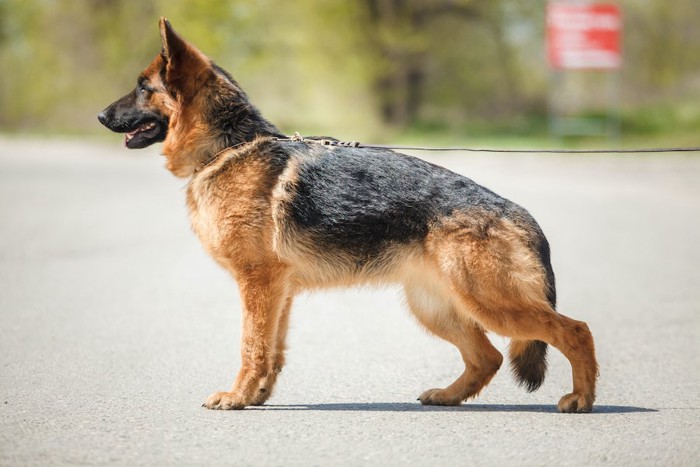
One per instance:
(115,325)
(442,71)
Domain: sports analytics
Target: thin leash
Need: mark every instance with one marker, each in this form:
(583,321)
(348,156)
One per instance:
(356,144)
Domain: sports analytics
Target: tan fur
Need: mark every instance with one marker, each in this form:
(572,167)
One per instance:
(188,144)
(498,283)
(473,272)
(458,283)
(230,210)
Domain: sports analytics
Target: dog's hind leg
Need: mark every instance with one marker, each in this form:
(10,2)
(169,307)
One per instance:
(265,296)
(481,359)
(501,282)
(532,323)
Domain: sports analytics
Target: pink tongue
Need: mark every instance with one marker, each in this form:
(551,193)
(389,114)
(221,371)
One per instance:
(128,137)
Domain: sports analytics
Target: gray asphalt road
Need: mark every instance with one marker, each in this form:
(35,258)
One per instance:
(115,326)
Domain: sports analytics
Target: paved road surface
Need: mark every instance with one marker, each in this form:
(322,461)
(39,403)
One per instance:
(115,326)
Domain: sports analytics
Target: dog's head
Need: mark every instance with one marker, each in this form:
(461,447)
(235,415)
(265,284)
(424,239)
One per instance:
(183,99)
(171,80)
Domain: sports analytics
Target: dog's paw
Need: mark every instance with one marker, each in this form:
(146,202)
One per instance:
(224,401)
(261,396)
(439,397)
(575,403)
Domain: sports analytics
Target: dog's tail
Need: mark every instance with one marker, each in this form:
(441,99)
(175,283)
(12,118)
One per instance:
(528,359)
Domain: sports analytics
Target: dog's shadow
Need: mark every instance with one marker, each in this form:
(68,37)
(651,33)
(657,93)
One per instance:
(406,407)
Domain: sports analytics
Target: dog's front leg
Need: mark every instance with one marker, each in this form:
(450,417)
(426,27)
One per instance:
(264,295)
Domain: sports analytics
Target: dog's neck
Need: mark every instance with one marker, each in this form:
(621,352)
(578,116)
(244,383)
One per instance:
(219,122)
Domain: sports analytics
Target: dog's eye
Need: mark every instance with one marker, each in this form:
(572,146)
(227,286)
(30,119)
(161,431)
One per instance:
(143,90)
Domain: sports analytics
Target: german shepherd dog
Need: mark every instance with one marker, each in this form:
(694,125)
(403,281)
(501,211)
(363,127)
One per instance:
(286,215)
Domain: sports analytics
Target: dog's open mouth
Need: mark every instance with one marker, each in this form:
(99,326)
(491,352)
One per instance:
(144,135)
(148,126)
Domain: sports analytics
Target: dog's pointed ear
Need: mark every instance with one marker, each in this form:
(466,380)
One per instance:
(171,41)
(186,67)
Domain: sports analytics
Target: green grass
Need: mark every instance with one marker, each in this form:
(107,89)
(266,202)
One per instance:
(658,126)
(667,126)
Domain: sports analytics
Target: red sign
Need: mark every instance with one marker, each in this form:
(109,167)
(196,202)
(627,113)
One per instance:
(584,36)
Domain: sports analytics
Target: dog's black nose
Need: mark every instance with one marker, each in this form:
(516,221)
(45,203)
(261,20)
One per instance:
(102,117)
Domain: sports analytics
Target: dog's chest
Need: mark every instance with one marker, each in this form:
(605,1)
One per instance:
(205,219)
(231,220)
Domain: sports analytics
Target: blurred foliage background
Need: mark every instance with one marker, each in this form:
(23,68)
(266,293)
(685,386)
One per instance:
(381,69)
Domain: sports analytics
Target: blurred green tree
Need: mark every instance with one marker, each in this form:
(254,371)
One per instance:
(346,66)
